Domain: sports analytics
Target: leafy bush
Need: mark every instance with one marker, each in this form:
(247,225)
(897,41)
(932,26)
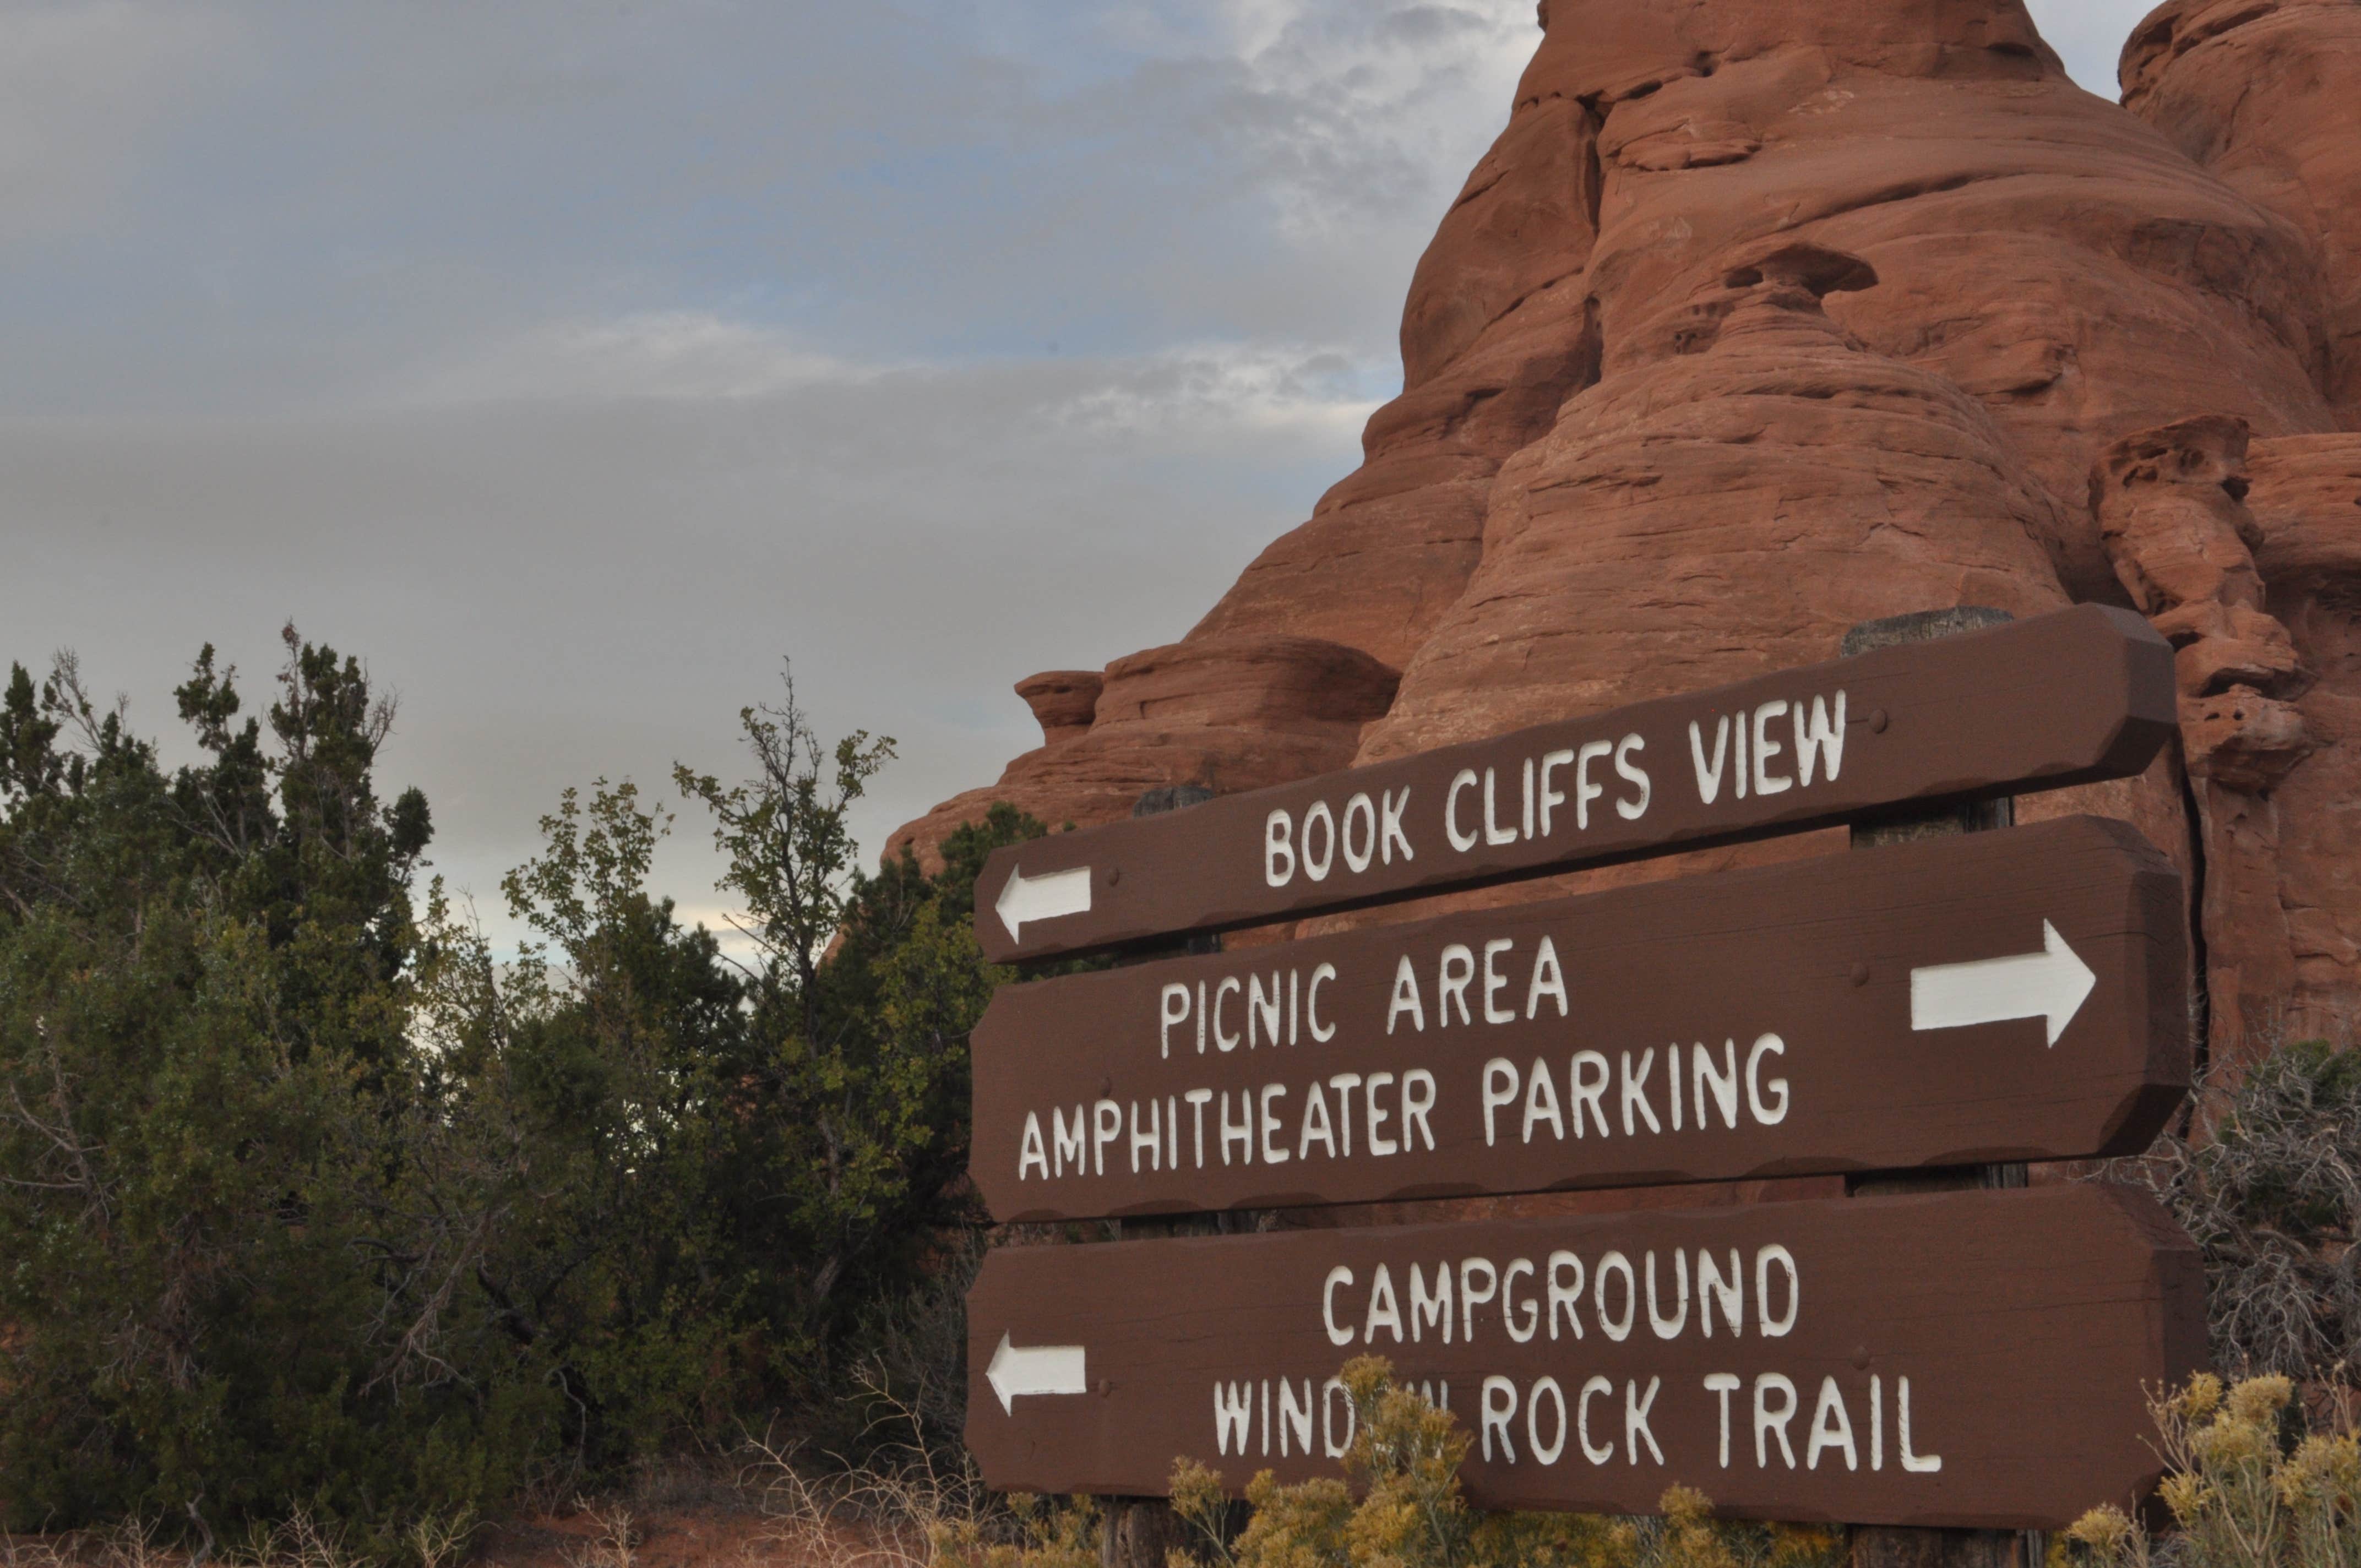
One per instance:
(310,1203)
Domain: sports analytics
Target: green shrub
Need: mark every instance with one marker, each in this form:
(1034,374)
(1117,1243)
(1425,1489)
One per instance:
(311,1203)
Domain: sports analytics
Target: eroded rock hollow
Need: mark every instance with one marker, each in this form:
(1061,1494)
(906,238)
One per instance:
(1760,321)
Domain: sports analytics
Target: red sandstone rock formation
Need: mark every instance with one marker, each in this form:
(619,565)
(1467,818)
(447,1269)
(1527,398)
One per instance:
(1761,320)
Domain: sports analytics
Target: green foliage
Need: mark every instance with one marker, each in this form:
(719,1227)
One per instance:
(2245,1488)
(309,1201)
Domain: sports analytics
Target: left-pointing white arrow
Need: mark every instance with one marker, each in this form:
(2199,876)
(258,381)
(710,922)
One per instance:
(2051,984)
(1024,899)
(1040,1369)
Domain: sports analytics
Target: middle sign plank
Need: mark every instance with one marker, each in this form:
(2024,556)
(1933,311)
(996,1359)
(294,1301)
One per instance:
(2018,995)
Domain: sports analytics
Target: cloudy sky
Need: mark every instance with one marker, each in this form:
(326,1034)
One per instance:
(574,361)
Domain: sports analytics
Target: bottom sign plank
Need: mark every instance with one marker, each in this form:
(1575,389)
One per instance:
(1971,1359)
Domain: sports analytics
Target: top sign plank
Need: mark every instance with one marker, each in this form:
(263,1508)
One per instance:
(2080,695)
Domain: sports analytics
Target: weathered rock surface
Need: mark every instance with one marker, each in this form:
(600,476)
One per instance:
(1761,320)
(2261,92)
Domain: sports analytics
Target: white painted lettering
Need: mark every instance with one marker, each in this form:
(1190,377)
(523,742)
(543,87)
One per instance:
(1405,999)
(1724,1084)
(1032,1151)
(1763,1259)
(1587,1092)
(1344,1083)
(1635,1092)
(1273,1153)
(1549,979)
(1728,1290)
(1551,797)
(1417,1100)
(1294,1420)
(1469,1300)
(1497,1405)
(1279,849)
(1708,780)
(1233,1415)
(1430,1311)
(1390,827)
(1317,867)
(1541,1102)
(1819,739)
(1502,1072)
(1262,1009)
(1311,1006)
(1315,1125)
(1635,1421)
(1331,1394)
(1364,810)
(1106,1126)
(1916,1464)
(1564,1297)
(1494,834)
(1617,1328)
(1175,993)
(1765,749)
(1585,791)
(1632,810)
(1495,982)
(1225,1043)
(1606,1452)
(1831,1428)
(1725,1384)
(1198,1099)
(1509,1306)
(1545,1452)
(1337,1332)
(1764,1111)
(1378,1145)
(1463,842)
(1242,1132)
(1385,1312)
(1663,1326)
(1152,1140)
(1453,971)
(1772,1420)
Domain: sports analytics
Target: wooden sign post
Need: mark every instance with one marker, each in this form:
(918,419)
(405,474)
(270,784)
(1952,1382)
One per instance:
(2011,996)
(2078,696)
(1964,1359)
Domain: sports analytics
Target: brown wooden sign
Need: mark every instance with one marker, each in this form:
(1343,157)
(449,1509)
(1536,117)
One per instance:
(2082,695)
(1964,1359)
(2015,995)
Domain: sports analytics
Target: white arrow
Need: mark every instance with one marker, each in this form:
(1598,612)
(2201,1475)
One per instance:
(1042,1369)
(1026,899)
(2051,984)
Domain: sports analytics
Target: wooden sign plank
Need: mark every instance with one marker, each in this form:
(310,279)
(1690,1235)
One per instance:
(1971,1359)
(2082,695)
(2003,996)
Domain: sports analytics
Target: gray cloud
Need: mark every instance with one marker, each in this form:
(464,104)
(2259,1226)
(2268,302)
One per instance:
(575,362)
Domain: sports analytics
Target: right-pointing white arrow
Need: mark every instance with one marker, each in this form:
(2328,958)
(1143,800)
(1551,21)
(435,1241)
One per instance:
(2051,984)
(1024,899)
(1041,1369)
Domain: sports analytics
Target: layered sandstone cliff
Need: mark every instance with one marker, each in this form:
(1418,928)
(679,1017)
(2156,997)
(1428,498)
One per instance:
(1762,319)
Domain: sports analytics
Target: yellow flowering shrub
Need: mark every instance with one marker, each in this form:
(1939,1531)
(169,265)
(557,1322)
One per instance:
(2241,1491)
